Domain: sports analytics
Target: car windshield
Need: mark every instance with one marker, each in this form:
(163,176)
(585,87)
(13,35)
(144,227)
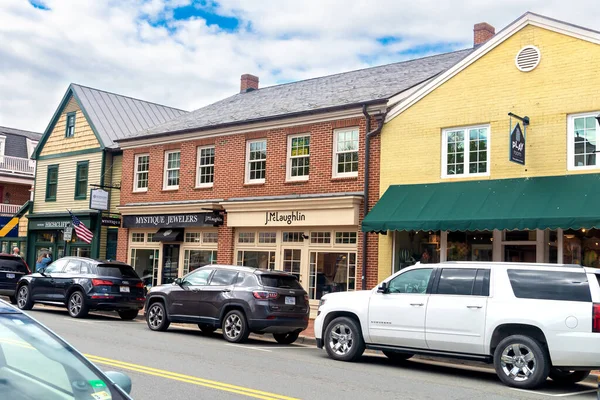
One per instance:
(35,365)
(12,264)
(280,281)
(117,271)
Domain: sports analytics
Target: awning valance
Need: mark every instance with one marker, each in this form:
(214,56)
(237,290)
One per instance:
(168,235)
(568,202)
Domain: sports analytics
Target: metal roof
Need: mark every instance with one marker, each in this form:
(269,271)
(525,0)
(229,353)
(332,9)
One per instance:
(318,94)
(15,144)
(114,116)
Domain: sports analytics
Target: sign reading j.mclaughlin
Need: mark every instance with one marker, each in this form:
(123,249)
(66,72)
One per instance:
(171,220)
(287,217)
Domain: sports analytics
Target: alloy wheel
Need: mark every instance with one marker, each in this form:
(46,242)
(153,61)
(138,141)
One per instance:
(233,326)
(518,362)
(75,304)
(155,316)
(22,296)
(340,339)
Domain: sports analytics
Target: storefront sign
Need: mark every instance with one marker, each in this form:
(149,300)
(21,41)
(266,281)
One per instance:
(517,145)
(289,217)
(110,221)
(49,224)
(99,200)
(171,220)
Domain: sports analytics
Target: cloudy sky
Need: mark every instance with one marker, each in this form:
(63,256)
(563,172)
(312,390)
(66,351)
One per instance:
(187,54)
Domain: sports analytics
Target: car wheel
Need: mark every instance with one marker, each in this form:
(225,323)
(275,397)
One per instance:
(397,356)
(128,315)
(13,299)
(567,377)
(156,317)
(286,338)
(76,305)
(343,340)
(521,362)
(235,327)
(207,329)
(24,301)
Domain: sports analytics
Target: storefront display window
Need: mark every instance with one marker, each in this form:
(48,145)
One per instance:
(582,247)
(331,272)
(145,263)
(256,259)
(194,259)
(291,262)
(469,246)
(413,246)
(80,251)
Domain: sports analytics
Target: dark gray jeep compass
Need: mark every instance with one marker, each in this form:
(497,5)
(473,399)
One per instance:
(240,300)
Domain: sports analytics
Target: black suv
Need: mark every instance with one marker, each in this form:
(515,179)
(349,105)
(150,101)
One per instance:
(83,284)
(240,300)
(12,268)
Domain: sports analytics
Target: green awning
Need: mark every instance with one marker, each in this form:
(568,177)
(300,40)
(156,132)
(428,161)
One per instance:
(568,202)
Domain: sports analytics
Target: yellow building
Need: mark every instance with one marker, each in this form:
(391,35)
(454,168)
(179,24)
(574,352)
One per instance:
(451,190)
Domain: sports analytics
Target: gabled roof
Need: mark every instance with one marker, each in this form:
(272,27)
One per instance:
(4,130)
(312,95)
(15,144)
(110,115)
(528,18)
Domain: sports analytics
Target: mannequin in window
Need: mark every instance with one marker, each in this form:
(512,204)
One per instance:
(341,273)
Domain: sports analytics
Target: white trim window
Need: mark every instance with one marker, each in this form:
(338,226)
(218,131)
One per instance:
(583,131)
(466,151)
(298,157)
(345,152)
(141,171)
(172,165)
(205,169)
(256,161)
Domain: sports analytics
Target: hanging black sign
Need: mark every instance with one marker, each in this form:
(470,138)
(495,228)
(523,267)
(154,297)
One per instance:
(517,145)
(110,221)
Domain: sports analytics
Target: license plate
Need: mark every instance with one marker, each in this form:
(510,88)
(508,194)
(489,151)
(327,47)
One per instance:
(10,276)
(290,300)
(125,289)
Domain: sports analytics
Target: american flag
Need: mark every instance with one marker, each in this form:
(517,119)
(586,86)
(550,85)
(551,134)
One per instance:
(82,232)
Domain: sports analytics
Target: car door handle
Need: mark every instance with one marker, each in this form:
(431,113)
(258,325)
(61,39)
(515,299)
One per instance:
(474,307)
(417,304)
(225,290)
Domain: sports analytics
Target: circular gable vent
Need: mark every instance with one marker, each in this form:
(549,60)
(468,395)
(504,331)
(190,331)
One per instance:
(528,58)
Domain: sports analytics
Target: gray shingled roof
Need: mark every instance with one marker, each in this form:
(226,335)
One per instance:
(349,88)
(115,117)
(16,141)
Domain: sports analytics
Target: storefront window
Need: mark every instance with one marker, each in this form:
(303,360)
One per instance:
(345,237)
(520,236)
(137,237)
(267,237)
(331,272)
(246,237)
(320,237)
(210,237)
(194,259)
(582,247)
(469,246)
(291,261)
(293,237)
(145,263)
(81,251)
(256,259)
(192,237)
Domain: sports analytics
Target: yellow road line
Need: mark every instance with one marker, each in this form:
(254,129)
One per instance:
(189,379)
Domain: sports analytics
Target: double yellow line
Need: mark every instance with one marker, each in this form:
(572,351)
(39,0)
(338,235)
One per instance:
(258,394)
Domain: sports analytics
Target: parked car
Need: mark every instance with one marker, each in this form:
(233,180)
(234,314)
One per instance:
(83,284)
(530,320)
(12,268)
(35,363)
(240,300)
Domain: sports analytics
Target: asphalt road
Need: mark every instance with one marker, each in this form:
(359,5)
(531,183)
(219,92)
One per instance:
(182,363)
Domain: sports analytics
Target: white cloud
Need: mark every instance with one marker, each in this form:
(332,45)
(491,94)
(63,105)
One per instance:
(126,47)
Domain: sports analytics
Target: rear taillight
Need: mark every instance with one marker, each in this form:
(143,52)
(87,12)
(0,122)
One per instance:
(596,318)
(139,285)
(261,295)
(101,282)
(305,297)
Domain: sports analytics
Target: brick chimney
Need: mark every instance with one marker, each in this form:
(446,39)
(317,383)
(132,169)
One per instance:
(248,83)
(482,32)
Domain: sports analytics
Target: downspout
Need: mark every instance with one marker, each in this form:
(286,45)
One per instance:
(380,119)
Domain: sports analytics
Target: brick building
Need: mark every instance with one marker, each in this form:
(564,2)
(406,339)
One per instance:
(271,177)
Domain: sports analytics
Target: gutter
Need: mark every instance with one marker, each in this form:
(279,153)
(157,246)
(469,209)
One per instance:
(380,120)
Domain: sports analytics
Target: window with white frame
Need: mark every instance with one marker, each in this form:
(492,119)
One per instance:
(267,237)
(345,162)
(345,237)
(137,237)
(150,237)
(205,172)
(210,237)
(172,165)
(465,151)
(583,130)
(192,237)
(2,145)
(320,237)
(256,161)
(142,166)
(246,237)
(298,157)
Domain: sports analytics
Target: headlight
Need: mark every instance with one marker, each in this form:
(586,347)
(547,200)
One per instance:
(321,302)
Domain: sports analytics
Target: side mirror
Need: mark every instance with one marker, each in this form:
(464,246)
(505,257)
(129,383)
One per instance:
(179,282)
(119,378)
(42,271)
(383,288)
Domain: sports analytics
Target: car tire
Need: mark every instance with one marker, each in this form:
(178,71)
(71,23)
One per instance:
(156,317)
(344,340)
(567,377)
(235,327)
(397,356)
(24,301)
(128,315)
(286,338)
(13,299)
(521,362)
(76,305)
(207,329)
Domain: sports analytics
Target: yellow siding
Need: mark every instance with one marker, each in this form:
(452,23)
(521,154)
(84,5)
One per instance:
(102,253)
(23,221)
(115,194)
(566,81)
(83,139)
(66,183)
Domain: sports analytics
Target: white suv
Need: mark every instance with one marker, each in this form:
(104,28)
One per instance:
(530,320)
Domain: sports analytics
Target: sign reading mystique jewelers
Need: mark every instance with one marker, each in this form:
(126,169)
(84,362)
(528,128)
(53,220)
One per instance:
(172,220)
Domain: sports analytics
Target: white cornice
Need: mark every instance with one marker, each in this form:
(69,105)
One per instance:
(287,204)
(166,208)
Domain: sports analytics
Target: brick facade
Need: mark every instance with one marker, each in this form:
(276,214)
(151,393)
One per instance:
(13,193)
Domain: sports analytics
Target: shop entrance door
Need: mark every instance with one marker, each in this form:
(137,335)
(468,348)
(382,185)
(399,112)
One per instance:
(170,267)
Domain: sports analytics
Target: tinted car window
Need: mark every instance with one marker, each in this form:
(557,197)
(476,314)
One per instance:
(13,264)
(550,285)
(457,281)
(415,281)
(247,280)
(117,271)
(57,266)
(223,277)
(280,281)
(198,277)
(482,283)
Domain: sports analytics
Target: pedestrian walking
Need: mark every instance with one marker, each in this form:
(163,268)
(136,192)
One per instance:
(16,252)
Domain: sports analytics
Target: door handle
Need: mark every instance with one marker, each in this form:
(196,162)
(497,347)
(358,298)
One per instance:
(474,307)
(417,304)
(225,290)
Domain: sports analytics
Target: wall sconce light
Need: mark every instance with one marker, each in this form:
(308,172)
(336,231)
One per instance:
(305,236)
